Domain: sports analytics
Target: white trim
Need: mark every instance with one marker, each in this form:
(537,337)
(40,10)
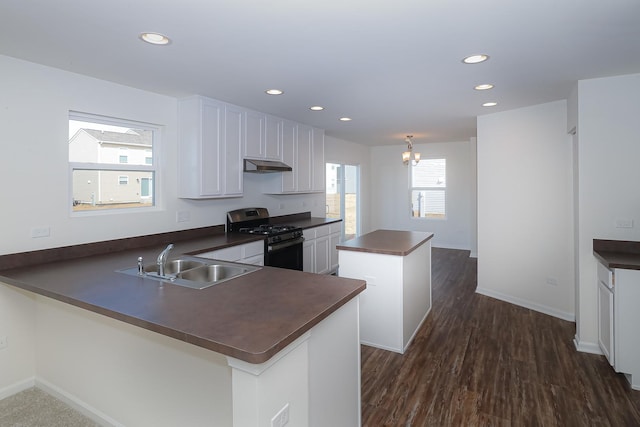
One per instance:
(586,347)
(571,317)
(17,387)
(77,404)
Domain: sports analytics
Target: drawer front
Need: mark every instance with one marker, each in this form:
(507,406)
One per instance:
(605,276)
(336,227)
(309,233)
(233,253)
(253,249)
(324,230)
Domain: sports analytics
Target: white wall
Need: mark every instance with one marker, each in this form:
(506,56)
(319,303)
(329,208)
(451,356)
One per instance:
(609,150)
(525,236)
(34,109)
(349,153)
(390,192)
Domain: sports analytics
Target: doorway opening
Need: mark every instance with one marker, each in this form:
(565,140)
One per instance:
(343,198)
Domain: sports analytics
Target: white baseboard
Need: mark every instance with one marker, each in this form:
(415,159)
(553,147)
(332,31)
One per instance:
(17,387)
(586,347)
(571,317)
(77,404)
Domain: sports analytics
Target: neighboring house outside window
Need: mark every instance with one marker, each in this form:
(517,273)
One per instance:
(429,189)
(100,150)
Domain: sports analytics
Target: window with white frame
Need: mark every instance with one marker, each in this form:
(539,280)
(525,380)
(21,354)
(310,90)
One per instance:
(429,189)
(111,163)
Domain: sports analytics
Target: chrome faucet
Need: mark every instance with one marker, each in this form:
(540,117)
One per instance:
(162,259)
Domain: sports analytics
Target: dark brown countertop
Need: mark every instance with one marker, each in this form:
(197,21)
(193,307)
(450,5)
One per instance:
(251,317)
(617,253)
(388,242)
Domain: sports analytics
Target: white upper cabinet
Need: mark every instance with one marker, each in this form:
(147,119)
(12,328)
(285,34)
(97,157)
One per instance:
(273,138)
(303,150)
(209,149)
(215,137)
(317,162)
(286,182)
(303,158)
(262,136)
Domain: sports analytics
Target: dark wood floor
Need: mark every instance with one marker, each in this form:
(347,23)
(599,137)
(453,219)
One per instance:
(478,361)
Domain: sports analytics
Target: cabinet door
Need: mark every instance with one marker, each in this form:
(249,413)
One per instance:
(233,151)
(211,144)
(308,256)
(303,158)
(317,162)
(335,241)
(289,138)
(605,321)
(254,137)
(323,257)
(273,138)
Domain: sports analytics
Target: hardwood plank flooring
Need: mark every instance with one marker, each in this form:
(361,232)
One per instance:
(477,361)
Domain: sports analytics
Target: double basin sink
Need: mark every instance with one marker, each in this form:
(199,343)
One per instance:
(192,272)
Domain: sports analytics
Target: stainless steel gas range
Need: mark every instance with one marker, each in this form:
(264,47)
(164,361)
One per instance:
(283,243)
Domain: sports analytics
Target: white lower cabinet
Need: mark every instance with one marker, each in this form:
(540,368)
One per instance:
(618,320)
(248,253)
(319,248)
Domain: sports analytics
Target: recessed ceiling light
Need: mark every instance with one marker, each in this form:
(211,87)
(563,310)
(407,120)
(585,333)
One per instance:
(345,119)
(155,38)
(475,59)
(484,87)
(489,104)
(274,92)
(316,108)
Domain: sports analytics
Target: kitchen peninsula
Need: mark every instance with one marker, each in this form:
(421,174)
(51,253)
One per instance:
(397,268)
(134,351)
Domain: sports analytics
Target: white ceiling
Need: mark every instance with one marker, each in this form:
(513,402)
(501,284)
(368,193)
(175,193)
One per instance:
(394,66)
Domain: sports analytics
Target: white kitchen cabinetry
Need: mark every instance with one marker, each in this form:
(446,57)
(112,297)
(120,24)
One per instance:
(335,239)
(262,136)
(303,150)
(618,320)
(248,253)
(209,149)
(317,162)
(319,249)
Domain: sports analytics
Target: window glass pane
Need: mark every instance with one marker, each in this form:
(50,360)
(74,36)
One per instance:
(109,189)
(104,144)
(429,173)
(428,204)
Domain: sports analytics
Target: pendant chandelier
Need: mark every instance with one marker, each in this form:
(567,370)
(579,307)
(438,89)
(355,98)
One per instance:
(409,154)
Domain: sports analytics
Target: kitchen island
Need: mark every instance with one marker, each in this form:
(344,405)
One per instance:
(134,351)
(397,268)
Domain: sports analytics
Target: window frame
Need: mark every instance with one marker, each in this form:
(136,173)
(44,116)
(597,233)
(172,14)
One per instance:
(442,189)
(153,169)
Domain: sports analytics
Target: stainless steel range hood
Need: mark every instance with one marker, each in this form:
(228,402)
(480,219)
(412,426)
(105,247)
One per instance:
(265,166)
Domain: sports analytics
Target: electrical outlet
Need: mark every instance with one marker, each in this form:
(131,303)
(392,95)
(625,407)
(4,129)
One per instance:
(281,418)
(624,223)
(183,216)
(40,232)
(3,343)
(552,281)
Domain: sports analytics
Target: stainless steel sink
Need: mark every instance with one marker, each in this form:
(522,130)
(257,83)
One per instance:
(175,266)
(192,272)
(214,273)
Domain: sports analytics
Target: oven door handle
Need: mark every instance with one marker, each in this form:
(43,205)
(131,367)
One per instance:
(278,246)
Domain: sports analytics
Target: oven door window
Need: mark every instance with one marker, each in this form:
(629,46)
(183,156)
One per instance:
(285,256)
